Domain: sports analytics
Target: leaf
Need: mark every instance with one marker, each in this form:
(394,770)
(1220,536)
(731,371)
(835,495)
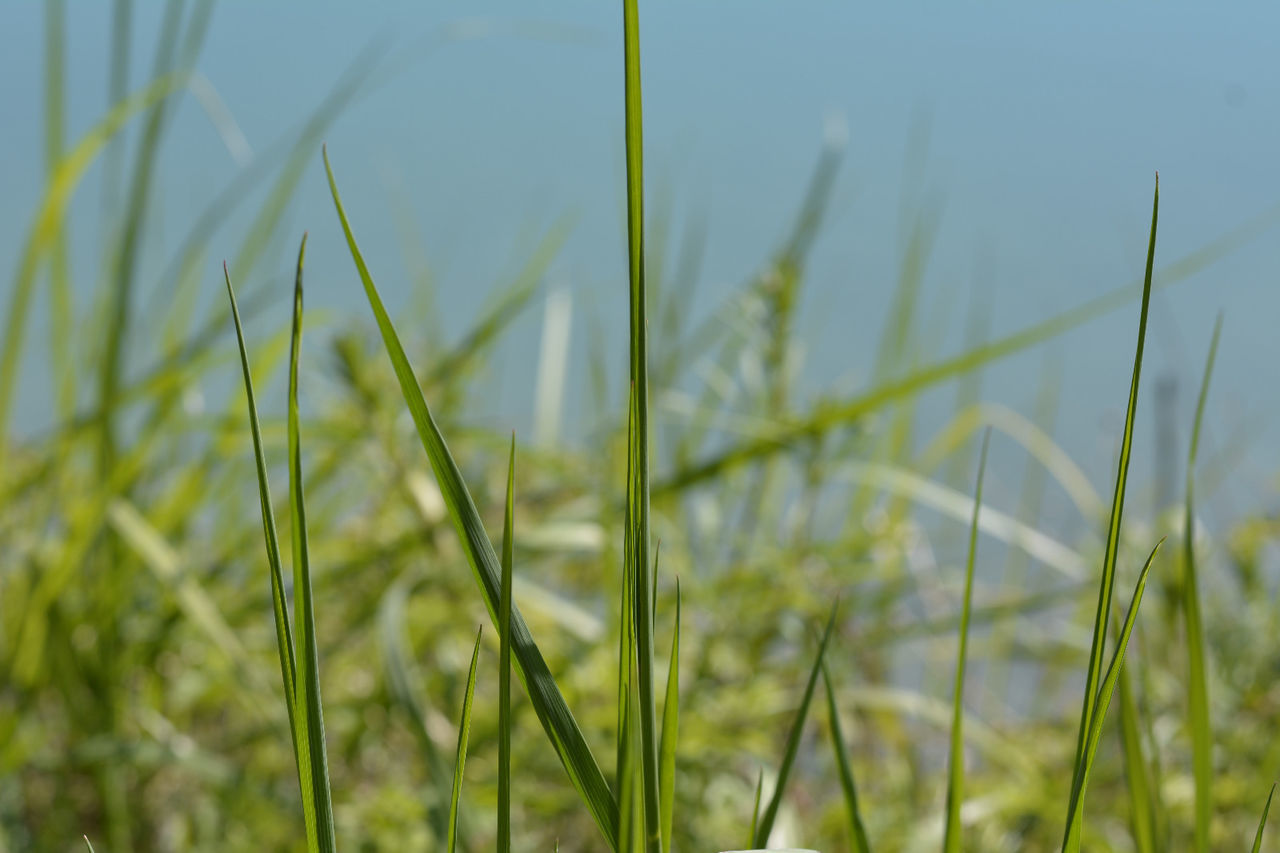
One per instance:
(464,732)
(1106,584)
(760,837)
(847,786)
(1262,822)
(1098,712)
(558,722)
(670,733)
(1197,680)
(308,687)
(955,776)
(504,663)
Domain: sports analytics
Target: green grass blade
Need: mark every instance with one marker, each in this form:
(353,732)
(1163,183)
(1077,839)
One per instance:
(464,732)
(1197,680)
(1106,584)
(61,310)
(1262,822)
(760,837)
(755,808)
(558,722)
(504,662)
(308,693)
(955,777)
(1071,841)
(670,733)
(87,843)
(48,225)
(1137,771)
(639,517)
(856,827)
(284,629)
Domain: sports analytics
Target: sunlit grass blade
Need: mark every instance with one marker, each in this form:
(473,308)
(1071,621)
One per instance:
(464,732)
(760,837)
(308,693)
(48,225)
(87,843)
(1106,584)
(504,662)
(638,517)
(558,722)
(857,829)
(1262,822)
(670,733)
(955,776)
(1197,678)
(1071,841)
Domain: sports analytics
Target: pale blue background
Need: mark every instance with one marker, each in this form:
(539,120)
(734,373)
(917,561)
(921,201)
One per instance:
(1045,123)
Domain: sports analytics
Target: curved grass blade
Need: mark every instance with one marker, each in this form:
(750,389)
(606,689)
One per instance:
(48,225)
(1071,841)
(670,733)
(856,827)
(558,722)
(464,732)
(308,693)
(1106,584)
(760,837)
(1197,681)
(1262,822)
(284,629)
(955,777)
(504,662)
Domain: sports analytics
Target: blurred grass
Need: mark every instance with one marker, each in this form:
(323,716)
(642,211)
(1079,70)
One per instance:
(137,704)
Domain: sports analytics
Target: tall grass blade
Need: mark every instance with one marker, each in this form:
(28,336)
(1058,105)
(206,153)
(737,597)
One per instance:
(464,732)
(670,733)
(755,808)
(856,827)
(48,225)
(308,695)
(765,826)
(558,722)
(955,777)
(284,628)
(1197,680)
(1137,771)
(504,662)
(1106,584)
(1262,822)
(61,310)
(1071,841)
(638,517)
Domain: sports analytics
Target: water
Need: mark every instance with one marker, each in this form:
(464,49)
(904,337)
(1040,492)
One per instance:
(1034,129)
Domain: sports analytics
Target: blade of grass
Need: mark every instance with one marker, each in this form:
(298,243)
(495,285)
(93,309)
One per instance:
(639,516)
(284,630)
(670,733)
(1106,584)
(755,808)
(1262,822)
(765,826)
(464,732)
(1197,680)
(308,695)
(1137,773)
(61,310)
(504,662)
(1071,841)
(856,827)
(48,225)
(544,694)
(955,777)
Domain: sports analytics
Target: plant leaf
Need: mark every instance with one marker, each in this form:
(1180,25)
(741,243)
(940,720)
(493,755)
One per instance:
(504,662)
(1262,822)
(847,786)
(464,732)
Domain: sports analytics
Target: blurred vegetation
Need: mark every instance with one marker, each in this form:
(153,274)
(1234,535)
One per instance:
(139,701)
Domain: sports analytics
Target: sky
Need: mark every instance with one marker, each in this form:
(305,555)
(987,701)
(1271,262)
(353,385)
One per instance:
(1034,130)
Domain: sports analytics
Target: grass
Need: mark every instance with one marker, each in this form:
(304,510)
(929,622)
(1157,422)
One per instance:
(140,705)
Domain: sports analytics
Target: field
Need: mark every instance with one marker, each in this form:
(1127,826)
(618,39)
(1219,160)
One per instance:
(334,612)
